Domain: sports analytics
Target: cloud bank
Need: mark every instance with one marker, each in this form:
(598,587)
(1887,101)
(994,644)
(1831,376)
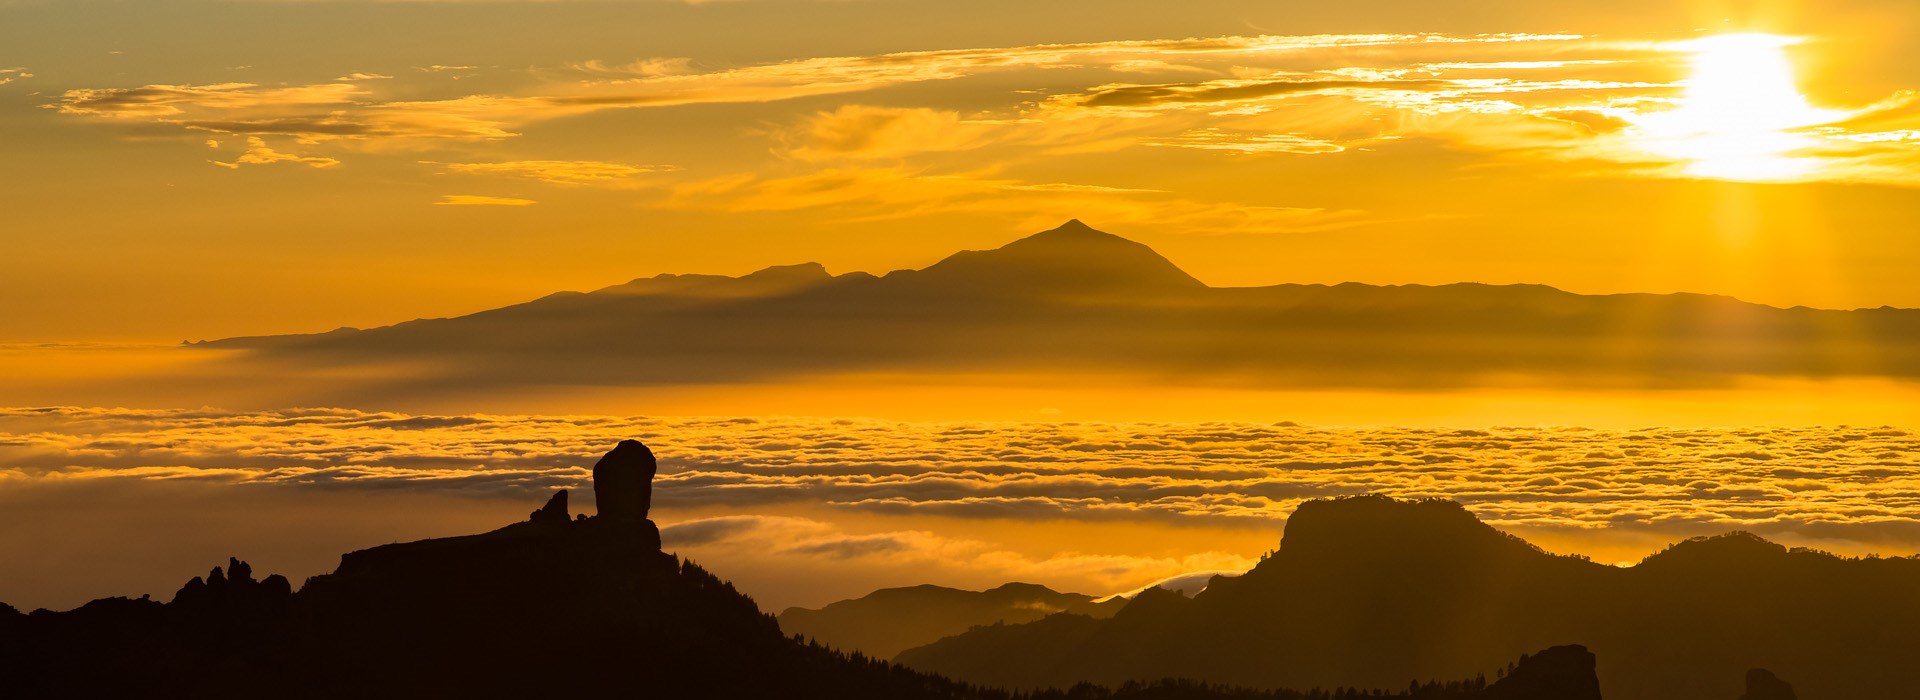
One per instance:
(1843,482)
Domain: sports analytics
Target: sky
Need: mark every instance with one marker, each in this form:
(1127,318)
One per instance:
(201,169)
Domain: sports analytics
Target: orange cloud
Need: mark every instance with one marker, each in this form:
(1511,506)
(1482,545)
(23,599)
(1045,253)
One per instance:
(559,172)
(474,200)
(258,153)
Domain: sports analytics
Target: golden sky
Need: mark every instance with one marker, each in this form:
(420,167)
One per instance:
(201,169)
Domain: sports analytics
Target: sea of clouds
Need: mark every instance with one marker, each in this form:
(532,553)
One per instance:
(1846,483)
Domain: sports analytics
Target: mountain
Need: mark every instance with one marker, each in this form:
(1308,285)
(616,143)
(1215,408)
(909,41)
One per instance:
(1073,301)
(1366,590)
(552,606)
(558,605)
(887,621)
(1072,260)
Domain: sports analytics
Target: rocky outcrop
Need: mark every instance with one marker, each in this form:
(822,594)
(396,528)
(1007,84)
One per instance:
(493,615)
(1763,685)
(1558,673)
(485,615)
(554,512)
(231,587)
(623,482)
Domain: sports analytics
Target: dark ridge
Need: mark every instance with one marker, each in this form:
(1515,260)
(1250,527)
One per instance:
(547,607)
(887,621)
(1367,590)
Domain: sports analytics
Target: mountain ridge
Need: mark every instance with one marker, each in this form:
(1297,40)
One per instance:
(1075,301)
(556,604)
(1419,588)
(887,621)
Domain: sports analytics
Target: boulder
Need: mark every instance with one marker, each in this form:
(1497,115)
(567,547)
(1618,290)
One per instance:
(623,481)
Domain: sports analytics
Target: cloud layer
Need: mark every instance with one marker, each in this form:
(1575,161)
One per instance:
(804,511)
(1843,482)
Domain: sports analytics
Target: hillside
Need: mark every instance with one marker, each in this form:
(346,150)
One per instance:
(887,621)
(556,605)
(1368,589)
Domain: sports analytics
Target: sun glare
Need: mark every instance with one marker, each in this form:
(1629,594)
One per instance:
(1740,115)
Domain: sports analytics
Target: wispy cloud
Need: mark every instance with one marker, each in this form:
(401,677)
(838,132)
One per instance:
(889,193)
(559,172)
(1550,98)
(1255,142)
(475,200)
(165,102)
(258,153)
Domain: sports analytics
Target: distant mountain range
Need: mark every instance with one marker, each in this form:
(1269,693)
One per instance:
(1073,300)
(887,621)
(1364,591)
(556,606)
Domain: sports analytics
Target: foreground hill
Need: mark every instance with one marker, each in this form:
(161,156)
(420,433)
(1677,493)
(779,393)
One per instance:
(1076,300)
(887,621)
(1367,590)
(554,606)
(541,608)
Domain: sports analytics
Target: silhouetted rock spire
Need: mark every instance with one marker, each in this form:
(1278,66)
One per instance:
(1763,685)
(623,481)
(555,511)
(238,571)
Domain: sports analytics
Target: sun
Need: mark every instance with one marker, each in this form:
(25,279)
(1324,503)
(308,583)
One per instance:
(1740,116)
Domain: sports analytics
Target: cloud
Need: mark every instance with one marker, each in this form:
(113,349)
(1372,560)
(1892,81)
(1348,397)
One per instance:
(258,153)
(1550,98)
(164,101)
(665,82)
(1211,139)
(869,194)
(1779,478)
(641,68)
(475,200)
(358,76)
(861,131)
(559,172)
(1223,91)
(784,502)
(8,75)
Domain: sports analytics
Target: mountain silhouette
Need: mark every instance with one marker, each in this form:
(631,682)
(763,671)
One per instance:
(1074,300)
(1365,590)
(541,608)
(555,605)
(1072,259)
(887,621)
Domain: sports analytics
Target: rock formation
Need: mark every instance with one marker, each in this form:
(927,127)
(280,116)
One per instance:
(1560,673)
(493,615)
(1763,685)
(555,511)
(623,481)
